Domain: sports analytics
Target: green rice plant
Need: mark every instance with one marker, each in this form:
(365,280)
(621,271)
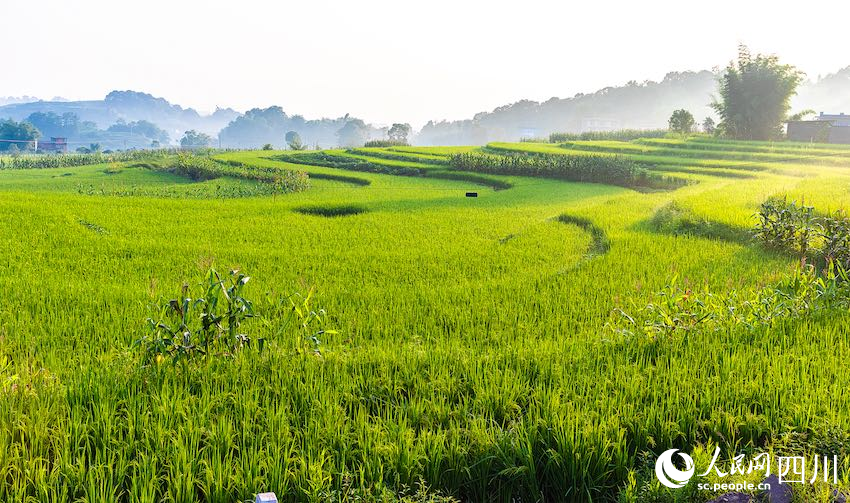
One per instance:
(681,310)
(297,313)
(8,379)
(395,155)
(472,358)
(350,163)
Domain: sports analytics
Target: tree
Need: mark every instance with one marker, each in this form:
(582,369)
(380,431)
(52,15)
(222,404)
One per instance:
(399,132)
(293,139)
(681,122)
(708,125)
(66,125)
(195,139)
(353,134)
(145,128)
(755,95)
(17,135)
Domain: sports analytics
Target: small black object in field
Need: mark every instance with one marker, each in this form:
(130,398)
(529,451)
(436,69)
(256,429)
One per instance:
(472,194)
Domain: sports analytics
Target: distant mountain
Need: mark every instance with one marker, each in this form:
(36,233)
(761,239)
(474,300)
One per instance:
(645,105)
(8,100)
(128,106)
(829,94)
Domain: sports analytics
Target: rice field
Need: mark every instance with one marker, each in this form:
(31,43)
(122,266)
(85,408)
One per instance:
(469,350)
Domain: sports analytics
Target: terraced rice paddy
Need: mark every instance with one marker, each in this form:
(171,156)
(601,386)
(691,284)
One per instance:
(474,355)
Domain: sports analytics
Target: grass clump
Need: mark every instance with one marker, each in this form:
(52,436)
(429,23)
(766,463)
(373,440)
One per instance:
(675,219)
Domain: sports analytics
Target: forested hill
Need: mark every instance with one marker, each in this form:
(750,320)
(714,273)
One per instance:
(127,106)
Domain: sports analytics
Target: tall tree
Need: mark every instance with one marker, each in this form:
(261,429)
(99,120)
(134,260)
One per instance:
(293,139)
(17,135)
(755,94)
(681,121)
(195,139)
(399,132)
(353,134)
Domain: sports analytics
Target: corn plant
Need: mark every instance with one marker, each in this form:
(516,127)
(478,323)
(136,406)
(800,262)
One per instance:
(798,229)
(612,170)
(186,328)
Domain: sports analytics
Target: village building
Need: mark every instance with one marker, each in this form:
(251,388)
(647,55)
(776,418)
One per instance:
(825,128)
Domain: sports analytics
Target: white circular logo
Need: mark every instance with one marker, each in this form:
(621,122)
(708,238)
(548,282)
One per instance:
(667,472)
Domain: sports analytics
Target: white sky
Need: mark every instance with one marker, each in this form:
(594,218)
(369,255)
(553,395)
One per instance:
(389,61)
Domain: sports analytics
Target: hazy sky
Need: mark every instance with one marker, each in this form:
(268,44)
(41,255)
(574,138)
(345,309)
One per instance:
(390,61)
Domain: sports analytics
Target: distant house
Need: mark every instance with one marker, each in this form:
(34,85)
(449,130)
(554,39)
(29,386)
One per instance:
(826,128)
(57,145)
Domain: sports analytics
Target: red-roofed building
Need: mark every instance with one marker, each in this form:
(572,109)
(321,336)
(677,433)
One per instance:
(58,145)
